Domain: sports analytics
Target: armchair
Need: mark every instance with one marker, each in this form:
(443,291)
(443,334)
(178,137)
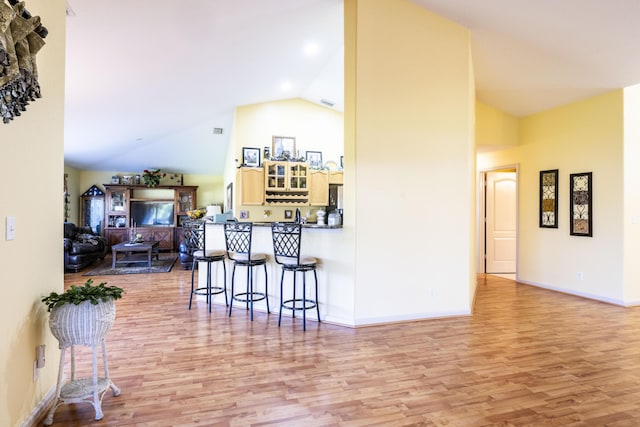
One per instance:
(81,247)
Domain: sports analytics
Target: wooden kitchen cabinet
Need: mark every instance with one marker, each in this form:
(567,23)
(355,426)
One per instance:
(318,187)
(286,183)
(251,186)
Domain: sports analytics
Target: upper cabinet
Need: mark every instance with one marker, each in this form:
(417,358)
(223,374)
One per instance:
(251,184)
(335,177)
(286,183)
(318,187)
(117,207)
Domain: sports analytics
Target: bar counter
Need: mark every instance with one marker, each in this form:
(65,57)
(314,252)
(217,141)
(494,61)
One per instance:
(335,272)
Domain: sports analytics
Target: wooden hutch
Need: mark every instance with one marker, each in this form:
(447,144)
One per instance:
(119,219)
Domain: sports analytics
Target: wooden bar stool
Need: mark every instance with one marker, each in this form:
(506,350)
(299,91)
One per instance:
(287,238)
(238,240)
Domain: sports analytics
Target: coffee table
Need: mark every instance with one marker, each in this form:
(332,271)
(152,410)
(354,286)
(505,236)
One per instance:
(130,249)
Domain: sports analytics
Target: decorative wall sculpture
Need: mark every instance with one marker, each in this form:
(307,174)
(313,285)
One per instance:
(549,198)
(581,202)
(21,38)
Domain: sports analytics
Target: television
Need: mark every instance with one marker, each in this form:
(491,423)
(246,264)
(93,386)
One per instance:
(150,213)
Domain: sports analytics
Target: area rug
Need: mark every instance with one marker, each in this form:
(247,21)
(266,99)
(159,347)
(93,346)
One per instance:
(163,265)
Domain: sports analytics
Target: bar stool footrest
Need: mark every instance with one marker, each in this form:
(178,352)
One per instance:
(289,304)
(215,290)
(247,296)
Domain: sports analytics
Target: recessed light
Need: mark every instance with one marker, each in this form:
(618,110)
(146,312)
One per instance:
(286,86)
(311,49)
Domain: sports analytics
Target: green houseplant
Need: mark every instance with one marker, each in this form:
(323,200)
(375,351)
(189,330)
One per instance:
(151,178)
(82,315)
(88,292)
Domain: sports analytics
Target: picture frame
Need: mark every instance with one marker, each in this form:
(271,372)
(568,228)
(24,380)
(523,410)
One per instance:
(251,157)
(314,158)
(283,147)
(288,214)
(266,153)
(581,203)
(115,179)
(341,162)
(548,215)
(127,179)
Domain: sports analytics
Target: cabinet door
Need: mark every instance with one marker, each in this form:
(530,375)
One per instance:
(275,176)
(164,236)
(117,208)
(116,235)
(298,175)
(318,188)
(335,177)
(251,186)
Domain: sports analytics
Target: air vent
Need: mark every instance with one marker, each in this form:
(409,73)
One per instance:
(70,11)
(218,131)
(327,102)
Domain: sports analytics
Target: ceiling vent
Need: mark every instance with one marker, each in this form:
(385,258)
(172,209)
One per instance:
(218,131)
(327,102)
(70,11)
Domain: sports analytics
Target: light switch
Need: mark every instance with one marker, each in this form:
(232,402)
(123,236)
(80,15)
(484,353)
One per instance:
(11,228)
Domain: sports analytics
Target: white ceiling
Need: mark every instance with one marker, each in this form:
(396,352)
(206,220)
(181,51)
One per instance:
(148,80)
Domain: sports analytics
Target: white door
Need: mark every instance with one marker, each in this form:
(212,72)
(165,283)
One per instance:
(501,222)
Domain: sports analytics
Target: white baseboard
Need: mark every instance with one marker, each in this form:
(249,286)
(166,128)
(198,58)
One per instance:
(586,295)
(39,413)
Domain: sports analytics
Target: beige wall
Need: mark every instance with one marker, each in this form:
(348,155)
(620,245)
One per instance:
(585,136)
(409,121)
(32,164)
(631,216)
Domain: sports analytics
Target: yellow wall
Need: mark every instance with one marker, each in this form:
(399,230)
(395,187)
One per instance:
(315,128)
(32,164)
(585,136)
(411,120)
(494,128)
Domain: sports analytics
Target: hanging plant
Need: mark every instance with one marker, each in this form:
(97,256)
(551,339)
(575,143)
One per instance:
(151,178)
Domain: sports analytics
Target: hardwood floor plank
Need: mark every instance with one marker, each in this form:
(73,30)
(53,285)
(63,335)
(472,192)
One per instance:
(526,357)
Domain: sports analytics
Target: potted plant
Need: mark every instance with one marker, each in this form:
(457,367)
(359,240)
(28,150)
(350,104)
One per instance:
(82,315)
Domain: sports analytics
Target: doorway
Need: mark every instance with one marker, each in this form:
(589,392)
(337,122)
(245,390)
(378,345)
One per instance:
(497,222)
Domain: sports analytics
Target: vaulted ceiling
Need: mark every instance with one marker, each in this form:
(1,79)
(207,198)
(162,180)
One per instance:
(149,80)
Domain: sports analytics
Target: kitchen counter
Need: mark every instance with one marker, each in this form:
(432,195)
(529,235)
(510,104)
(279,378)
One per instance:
(335,273)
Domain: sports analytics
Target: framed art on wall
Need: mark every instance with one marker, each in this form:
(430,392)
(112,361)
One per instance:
(251,157)
(549,199)
(581,201)
(314,158)
(283,147)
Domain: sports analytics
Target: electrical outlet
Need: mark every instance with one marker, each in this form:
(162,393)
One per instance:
(40,359)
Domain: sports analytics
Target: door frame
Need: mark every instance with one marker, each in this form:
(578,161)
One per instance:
(481,240)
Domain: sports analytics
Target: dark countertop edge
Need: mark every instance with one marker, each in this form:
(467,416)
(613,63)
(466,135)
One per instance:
(309,225)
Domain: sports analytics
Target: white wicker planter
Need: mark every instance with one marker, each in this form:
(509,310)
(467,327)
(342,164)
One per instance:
(82,324)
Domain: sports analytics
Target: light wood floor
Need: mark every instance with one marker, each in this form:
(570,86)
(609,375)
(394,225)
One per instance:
(526,357)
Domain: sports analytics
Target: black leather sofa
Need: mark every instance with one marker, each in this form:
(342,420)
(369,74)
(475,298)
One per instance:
(81,247)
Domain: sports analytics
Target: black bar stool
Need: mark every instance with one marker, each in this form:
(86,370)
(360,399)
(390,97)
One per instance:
(238,239)
(286,250)
(195,236)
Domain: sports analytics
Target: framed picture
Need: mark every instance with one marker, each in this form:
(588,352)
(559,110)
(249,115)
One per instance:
(251,157)
(283,147)
(288,214)
(127,179)
(314,158)
(549,199)
(341,162)
(580,204)
(228,206)
(266,153)
(115,179)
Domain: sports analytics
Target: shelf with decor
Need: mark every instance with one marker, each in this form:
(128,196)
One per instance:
(286,183)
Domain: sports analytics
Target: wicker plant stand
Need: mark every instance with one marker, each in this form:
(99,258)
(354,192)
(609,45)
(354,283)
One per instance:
(86,325)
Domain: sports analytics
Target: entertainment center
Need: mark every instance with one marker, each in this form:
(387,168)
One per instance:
(156,213)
